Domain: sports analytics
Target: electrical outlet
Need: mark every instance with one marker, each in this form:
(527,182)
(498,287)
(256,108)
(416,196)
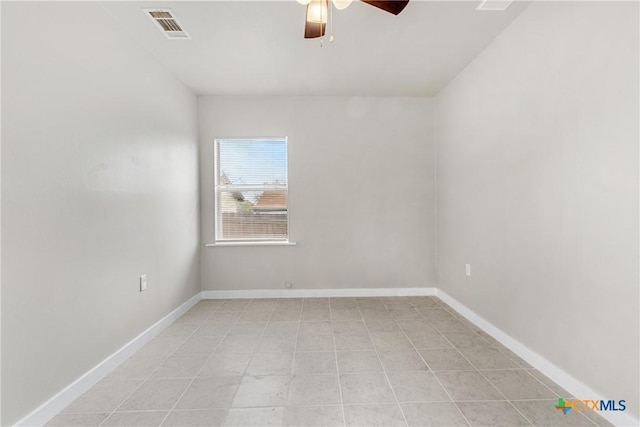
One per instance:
(143,282)
(467,269)
(288,285)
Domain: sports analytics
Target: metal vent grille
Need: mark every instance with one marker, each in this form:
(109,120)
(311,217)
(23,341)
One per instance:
(166,21)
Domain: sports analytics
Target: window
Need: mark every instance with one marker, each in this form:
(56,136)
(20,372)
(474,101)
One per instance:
(251,190)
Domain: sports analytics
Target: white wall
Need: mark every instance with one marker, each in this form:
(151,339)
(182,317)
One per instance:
(361,192)
(99,186)
(537,175)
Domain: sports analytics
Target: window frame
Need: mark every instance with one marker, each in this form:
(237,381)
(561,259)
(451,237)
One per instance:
(218,188)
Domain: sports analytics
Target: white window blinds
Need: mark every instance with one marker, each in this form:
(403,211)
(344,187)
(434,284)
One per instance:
(251,190)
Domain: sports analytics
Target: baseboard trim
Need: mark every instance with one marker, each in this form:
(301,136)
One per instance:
(41,415)
(318,293)
(57,403)
(558,375)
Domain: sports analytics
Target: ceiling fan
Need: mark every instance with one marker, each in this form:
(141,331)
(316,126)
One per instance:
(318,10)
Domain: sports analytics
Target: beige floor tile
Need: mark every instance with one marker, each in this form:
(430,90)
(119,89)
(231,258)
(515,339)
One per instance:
(135,419)
(210,392)
(155,394)
(248,328)
(387,325)
(289,302)
(445,359)
(270,364)
(226,364)
(255,316)
(307,363)
(259,391)
(233,305)
(518,384)
(313,390)
(468,385)
(276,343)
(353,342)
(375,314)
(405,313)
(105,396)
(77,420)
(543,413)
(417,386)
(265,354)
(136,367)
(254,417)
(316,303)
(345,314)
(450,325)
(391,341)
(349,327)
(365,388)
(466,339)
(489,414)
(401,360)
(428,340)
(342,303)
(238,344)
(386,415)
(419,325)
(281,329)
(182,329)
(186,366)
(290,315)
(488,358)
(313,416)
(511,355)
(160,347)
(204,418)
(559,391)
(199,345)
(315,343)
(315,328)
(315,314)
(213,329)
(353,361)
(225,316)
(433,414)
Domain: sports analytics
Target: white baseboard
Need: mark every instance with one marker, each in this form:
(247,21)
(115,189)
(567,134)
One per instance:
(318,293)
(57,403)
(53,406)
(558,375)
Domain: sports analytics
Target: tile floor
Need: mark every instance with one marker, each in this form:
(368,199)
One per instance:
(392,361)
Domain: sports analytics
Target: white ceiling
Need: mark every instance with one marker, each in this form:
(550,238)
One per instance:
(257,47)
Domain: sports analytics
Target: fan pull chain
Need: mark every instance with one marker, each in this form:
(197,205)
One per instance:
(331,38)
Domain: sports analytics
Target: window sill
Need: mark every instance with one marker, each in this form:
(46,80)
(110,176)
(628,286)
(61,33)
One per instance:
(209,245)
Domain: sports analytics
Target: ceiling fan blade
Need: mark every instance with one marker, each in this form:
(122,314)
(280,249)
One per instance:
(313,29)
(391,6)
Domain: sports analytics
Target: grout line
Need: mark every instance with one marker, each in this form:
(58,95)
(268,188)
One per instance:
(208,358)
(491,383)
(383,307)
(185,338)
(384,371)
(483,376)
(433,373)
(335,355)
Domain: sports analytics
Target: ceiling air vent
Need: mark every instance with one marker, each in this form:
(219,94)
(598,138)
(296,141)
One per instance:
(166,21)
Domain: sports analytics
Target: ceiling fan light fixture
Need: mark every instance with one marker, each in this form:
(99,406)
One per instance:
(317,11)
(341,4)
